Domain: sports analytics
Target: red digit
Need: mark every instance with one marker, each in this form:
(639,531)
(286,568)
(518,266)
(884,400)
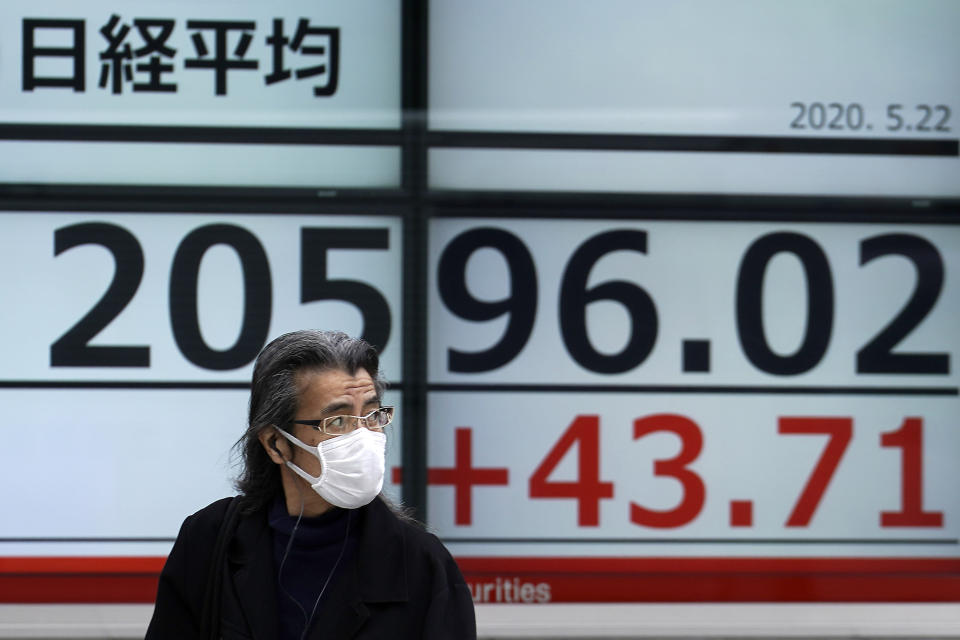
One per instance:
(694,491)
(588,490)
(840,431)
(909,437)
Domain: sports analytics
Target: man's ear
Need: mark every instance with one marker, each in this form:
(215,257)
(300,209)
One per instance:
(276,447)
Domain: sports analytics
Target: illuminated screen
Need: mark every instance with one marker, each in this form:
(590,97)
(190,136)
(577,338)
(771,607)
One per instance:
(848,98)
(214,94)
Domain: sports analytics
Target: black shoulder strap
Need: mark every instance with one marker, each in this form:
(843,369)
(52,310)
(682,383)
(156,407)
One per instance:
(210,616)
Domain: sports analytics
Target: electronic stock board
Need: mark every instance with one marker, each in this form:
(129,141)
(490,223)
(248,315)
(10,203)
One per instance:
(623,403)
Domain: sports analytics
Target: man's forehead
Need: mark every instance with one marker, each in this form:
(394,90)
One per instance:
(336,381)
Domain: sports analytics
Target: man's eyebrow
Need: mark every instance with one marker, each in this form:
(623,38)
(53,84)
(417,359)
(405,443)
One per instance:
(336,406)
(346,406)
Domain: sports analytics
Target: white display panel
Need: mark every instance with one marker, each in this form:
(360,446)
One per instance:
(139,76)
(128,380)
(700,173)
(109,473)
(849,98)
(223,165)
(704,288)
(740,488)
(730,404)
(232,280)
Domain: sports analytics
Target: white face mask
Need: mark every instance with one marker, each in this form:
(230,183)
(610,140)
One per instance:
(352,467)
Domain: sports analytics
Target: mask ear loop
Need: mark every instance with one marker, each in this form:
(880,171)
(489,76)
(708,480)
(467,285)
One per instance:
(316,451)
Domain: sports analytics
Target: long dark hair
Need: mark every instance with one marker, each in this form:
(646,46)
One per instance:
(274,397)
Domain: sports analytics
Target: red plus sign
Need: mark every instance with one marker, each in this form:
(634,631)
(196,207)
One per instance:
(463,476)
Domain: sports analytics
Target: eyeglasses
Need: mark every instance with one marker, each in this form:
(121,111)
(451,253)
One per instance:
(376,420)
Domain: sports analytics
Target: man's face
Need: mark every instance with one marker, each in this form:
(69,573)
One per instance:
(324,394)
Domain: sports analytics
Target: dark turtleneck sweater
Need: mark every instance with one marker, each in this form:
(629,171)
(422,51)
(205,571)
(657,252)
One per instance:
(317,544)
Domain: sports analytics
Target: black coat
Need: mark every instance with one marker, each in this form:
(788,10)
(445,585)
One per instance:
(402,583)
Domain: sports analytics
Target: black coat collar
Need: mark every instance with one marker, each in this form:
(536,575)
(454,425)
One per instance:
(381,565)
(378,574)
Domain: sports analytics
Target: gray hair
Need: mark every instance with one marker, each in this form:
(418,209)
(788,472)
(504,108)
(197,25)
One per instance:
(275,394)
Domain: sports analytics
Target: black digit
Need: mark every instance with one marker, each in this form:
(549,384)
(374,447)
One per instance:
(750,303)
(877,355)
(817,121)
(72,348)
(797,124)
(257,298)
(942,125)
(315,243)
(835,122)
(854,122)
(521,304)
(922,125)
(574,298)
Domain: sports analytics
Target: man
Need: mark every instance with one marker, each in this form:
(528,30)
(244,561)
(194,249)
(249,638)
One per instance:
(309,549)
